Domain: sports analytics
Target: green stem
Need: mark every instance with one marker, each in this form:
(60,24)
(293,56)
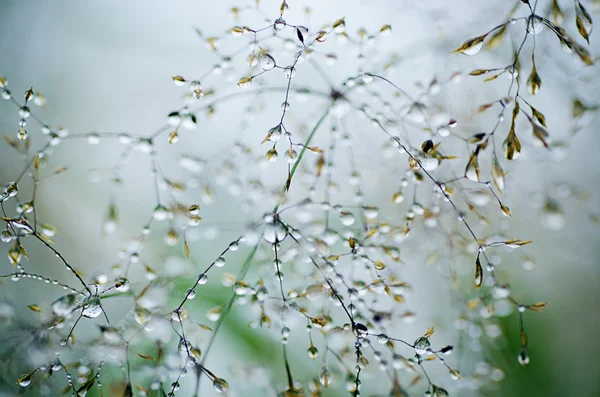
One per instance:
(227,308)
(287,184)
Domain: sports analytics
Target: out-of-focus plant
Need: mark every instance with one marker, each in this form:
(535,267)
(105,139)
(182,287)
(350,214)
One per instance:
(330,270)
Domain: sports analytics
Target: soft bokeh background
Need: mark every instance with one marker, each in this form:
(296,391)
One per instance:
(106,66)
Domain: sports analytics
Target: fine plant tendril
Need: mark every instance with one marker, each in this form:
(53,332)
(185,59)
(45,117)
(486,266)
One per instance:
(321,262)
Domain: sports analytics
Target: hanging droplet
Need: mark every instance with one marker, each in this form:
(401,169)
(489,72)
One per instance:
(371,212)
(362,330)
(24,112)
(382,339)
(472,170)
(24,380)
(279,24)
(266,61)
(534,25)
(171,238)
(220,385)
(220,262)
(160,212)
(422,345)
(473,47)
(511,72)
(339,26)
(91,307)
(398,198)
(265,321)
(553,218)
(347,218)
(237,31)
(64,305)
(93,138)
(214,313)
(141,314)
(566,46)
(245,82)
(274,133)
(191,293)
(176,316)
(196,89)
(439,392)
(291,155)
(379,265)
(22,134)
(325,376)
(289,71)
(178,80)
(523,357)
(313,352)
(275,232)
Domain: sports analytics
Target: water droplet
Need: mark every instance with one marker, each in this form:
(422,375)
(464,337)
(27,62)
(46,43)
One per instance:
(214,313)
(220,385)
(274,133)
(290,72)
(22,134)
(553,218)
(24,380)
(220,262)
(500,292)
(382,339)
(91,307)
(176,316)
(439,392)
(566,46)
(371,212)
(266,61)
(534,25)
(321,36)
(160,213)
(93,138)
(237,31)
(275,231)
(291,155)
(511,72)
(362,330)
(64,305)
(422,345)
(24,112)
(191,293)
(523,357)
(325,377)
(196,89)
(339,26)
(279,24)
(171,238)
(474,49)
(347,218)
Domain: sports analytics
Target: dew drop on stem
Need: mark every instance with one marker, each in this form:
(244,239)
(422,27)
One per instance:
(279,24)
